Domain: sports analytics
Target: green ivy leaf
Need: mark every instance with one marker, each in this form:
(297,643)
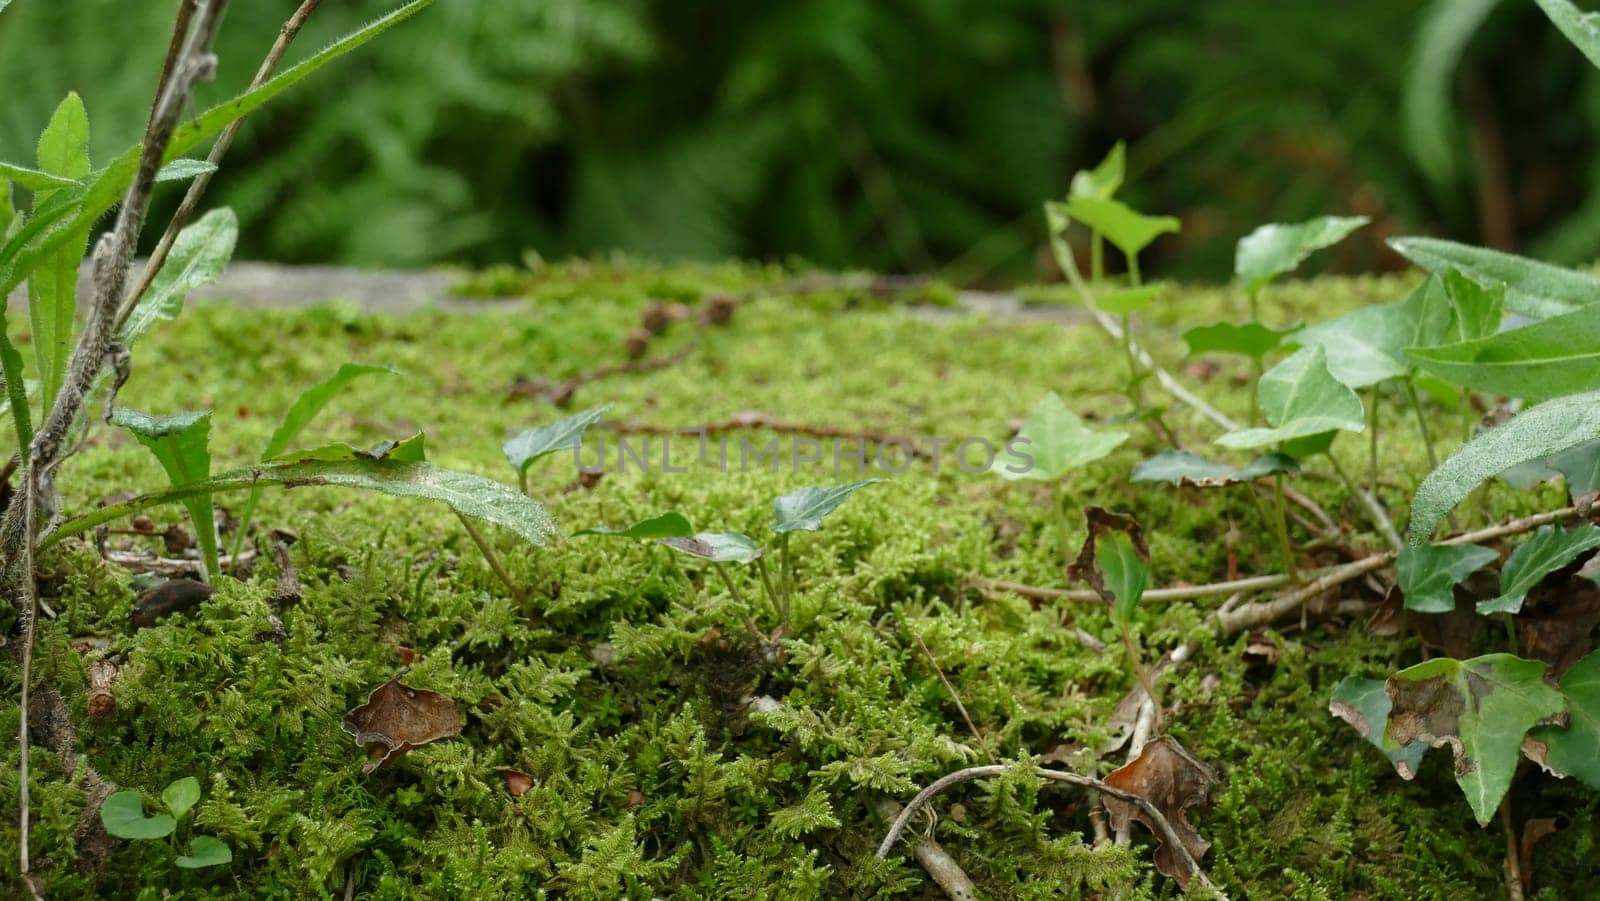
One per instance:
(1545,551)
(1274,249)
(181,443)
(1129,300)
(1364,704)
(803,510)
(1532,289)
(1481,708)
(1129,230)
(1103,180)
(667,525)
(1057,441)
(1114,560)
(1429,573)
(1540,431)
(1301,398)
(199,254)
(205,851)
(1251,339)
(1571,750)
(1369,345)
(181,795)
(1183,468)
(565,434)
(1475,310)
(123,816)
(718,547)
(1559,355)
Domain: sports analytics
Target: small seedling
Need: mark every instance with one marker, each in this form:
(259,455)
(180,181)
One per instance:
(123,815)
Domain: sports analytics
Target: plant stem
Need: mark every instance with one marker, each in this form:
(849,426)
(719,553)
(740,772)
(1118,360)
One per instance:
(1513,866)
(1133,269)
(1140,671)
(1372,441)
(522,479)
(241,530)
(785,569)
(1282,524)
(1255,304)
(1097,257)
(1375,511)
(492,557)
(744,606)
(1422,424)
(778,609)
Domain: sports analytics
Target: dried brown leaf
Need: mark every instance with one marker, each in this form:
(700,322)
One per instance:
(1532,831)
(1170,778)
(397,718)
(517,782)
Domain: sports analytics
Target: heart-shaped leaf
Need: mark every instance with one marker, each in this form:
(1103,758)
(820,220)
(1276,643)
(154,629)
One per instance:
(1274,249)
(1428,573)
(1114,561)
(803,510)
(1481,708)
(1369,345)
(205,851)
(718,547)
(1103,180)
(1571,750)
(181,795)
(544,440)
(1556,356)
(1300,398)
(667,525)
(1533,289)
(1546,550)
(1364,704)
(1251,339)
(1183,468)
(1128,229)
(123,816)
(1054,441)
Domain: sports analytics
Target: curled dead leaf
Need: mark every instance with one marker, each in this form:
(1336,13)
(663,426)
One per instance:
(1101,523)
(171,596)
(1169,777)
(397,718)
(1532,831)
(517,782)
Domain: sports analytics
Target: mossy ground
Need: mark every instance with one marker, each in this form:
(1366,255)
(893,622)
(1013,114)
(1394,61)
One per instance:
(621,687)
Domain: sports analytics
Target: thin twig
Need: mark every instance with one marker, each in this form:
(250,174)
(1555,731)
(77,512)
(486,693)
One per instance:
(936,860)
(1178,593)
(1513,867)
(955,696)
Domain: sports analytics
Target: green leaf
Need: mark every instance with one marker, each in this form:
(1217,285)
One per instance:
(1057,441)
(1571,750)
(408,450)
(667,525)
(803,510)
(1129,300)
(1427,114)
(1103,180)
(1481,708)
(718,547)
(1114,560)
(1548,428)
(1559,355)
(1429,573)
(181,795)
(1274,249)
(34,179)
(310,403)
(565,434)
(1300,398)
(123,816)
(205,851)
(1475,310)
(1533,289)
(1251,339)
(1581,28)
(53,285)
(1308,446)
(8,210)
(1369,345)
(1547,550)
(181,444)
(183,169)
(198,256)
(1438,390)
(1364,704)
(1183,468)
(1129,230)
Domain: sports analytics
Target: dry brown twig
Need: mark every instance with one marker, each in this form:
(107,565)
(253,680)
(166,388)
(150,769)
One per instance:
(941,867)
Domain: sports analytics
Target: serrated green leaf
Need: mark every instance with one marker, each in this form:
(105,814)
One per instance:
(199,254)
(803,510)
(1128,229)
(1581,28)
(1572,750)
(1475,310)
(565,434)
(306,407)
(1299,398)
(1251,339)
(1274,249)
(181,795)
(1104,179)
(1057,441)
(1369,345)
(181,443)
(1129,300)
(1364,704)
(1533,289)
(123,816)
(183,169)
(205,851)
(1428,573)
(1481,708)
(1540,431)
(1546,550)
(1183,468)
(718,547)
(667,525)
(1556,356)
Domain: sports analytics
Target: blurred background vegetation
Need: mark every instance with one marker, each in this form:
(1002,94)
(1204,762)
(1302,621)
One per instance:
(899,135)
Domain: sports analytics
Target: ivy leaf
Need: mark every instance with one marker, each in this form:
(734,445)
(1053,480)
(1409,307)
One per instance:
(1274,249)
(1300,398)
(667,525)
(1581,28)
(1103,180)
(1252,339)
(803,510)
(1364,704)
(1547,550)
(1129,300)
(1540,431)
(1571,751)
(205,851)
(1475,310)
(199,254)
(1183,468)
(1559,355)
(1130,230)
(1114,560)
(565,434)
(181,795)
(123,816)
(1429,573)
(1369,345)
(181,444)
(1481,708)
(1057,441)
(718,547)
(1533,289)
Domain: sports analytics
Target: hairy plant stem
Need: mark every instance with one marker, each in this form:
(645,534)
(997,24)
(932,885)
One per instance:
(779,609)
(1140,671)
(1422,425)
(491,557)
(1281,524)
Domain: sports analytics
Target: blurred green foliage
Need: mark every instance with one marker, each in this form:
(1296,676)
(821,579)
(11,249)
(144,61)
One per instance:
(892,134)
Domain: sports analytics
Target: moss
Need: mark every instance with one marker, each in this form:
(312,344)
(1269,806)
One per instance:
(621,684)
